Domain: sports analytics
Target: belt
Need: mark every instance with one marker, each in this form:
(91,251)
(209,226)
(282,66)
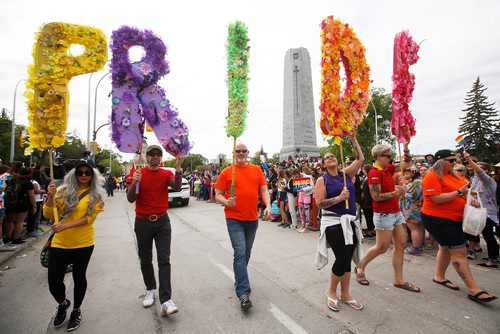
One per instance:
(151,218)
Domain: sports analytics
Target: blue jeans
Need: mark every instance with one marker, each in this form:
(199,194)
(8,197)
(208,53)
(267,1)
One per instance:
(242,234)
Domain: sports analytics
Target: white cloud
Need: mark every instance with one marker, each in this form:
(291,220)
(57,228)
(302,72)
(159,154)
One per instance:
(460,44)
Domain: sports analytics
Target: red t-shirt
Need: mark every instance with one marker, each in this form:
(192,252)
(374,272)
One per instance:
(153,191)
(384,177)
(247,183)
(433,185)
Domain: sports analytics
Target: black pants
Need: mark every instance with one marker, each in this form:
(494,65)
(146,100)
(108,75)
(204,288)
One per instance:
(59,259)
(160,231)
(368,212)
(32,221)
(489,237)
(343,253)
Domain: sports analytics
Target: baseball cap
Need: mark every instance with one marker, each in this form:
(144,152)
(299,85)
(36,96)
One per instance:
(81,163)
(441,154)
(154,147)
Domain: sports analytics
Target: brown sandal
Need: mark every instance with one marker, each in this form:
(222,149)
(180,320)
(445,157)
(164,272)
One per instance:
(407,286)
(361,278)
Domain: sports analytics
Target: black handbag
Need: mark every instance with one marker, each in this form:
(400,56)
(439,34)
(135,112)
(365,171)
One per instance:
(44,254)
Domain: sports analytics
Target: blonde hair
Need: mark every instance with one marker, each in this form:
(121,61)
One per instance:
(380,149)
(438,169)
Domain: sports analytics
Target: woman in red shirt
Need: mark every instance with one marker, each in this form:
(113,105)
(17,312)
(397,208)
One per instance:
(445,194)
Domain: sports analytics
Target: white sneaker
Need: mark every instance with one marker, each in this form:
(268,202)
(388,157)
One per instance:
(168,308)
(6,248)
(150,298)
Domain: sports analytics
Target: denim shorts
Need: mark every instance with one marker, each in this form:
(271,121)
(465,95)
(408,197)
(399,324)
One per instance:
(387,221)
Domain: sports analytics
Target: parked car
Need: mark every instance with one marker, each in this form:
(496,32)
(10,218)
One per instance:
(181,196)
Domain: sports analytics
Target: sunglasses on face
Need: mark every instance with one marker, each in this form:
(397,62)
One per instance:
(155,154)
(451,160)
(329,157)
(87,172)
(387,156)
(241,151)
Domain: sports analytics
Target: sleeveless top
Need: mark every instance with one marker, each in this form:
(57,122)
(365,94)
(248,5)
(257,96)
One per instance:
(334,186)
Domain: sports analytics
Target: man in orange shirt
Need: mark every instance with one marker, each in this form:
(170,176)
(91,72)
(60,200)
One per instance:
(241,214)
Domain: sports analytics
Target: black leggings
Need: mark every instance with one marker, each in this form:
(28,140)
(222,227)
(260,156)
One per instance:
(59,259)
(343,253)
(489,237)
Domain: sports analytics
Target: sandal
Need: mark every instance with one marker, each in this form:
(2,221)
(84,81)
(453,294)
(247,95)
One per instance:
(352,303)
(360,277)
(481,300)
(447,284)
(335,307)
(407,286)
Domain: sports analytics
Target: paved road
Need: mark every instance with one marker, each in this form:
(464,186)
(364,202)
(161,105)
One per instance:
(288,292)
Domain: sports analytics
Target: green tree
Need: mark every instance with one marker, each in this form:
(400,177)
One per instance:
(480,125)
(193,159)
(366,130)
(5,138)
(102,160)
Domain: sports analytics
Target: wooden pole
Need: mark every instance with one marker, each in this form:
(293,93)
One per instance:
(343,173)
(51,165)
(139,162)
(233,167)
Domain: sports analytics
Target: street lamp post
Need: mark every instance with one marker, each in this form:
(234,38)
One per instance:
(94,135)
(95,99)
(13,134)
(88,114)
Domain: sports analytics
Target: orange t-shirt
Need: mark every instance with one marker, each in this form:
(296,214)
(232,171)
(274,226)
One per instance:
(433,185)
(247,183)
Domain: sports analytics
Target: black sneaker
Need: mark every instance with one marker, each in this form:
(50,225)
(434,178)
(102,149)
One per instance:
(61,314)
(18,241)
(74,320)
(245,302)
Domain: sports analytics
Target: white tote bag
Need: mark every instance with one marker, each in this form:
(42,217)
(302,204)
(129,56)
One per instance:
(474,218)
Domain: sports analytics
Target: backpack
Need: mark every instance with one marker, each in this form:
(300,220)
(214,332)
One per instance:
(12,198)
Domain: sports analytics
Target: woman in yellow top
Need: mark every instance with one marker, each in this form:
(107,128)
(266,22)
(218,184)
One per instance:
(78,200)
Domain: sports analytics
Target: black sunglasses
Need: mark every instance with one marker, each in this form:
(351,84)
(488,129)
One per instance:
(241,151)
(155,154)
(451,160)
(87,172)
(387,156)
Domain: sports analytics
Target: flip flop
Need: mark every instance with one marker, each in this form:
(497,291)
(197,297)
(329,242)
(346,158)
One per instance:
(335,307)
(481,300)
(447,284)
(361,278)
(485,265)
(352,303)
(407,286)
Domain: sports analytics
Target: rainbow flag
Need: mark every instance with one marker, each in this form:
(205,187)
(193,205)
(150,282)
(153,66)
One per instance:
(460,140)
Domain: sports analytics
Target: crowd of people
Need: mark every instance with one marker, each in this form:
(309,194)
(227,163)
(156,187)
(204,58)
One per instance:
(412,204)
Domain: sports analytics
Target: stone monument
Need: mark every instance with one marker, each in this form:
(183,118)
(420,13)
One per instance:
(299,124)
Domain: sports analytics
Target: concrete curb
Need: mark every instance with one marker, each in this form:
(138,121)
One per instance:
(6,256)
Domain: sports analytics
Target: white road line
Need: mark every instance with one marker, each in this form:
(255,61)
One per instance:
(223,268)
(281,316)
(292,326)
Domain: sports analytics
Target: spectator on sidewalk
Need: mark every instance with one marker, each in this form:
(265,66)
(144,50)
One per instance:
(4,247)
(19,199)
(413,202)
(241,214)
(152,223)
(78,202)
